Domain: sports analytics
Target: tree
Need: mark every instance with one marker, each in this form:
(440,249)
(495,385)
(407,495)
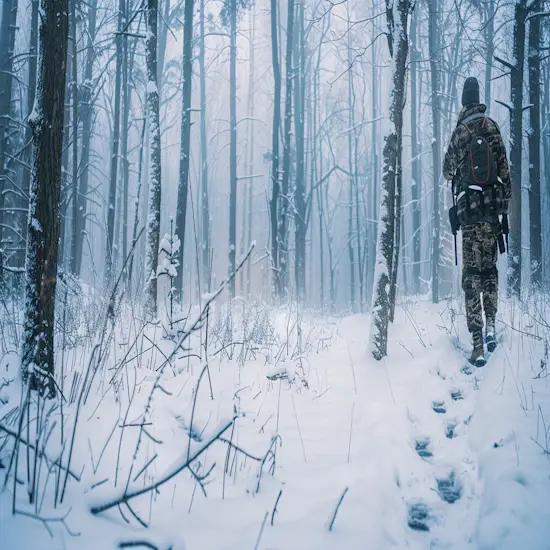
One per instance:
(7,48)
(185,147)
(284,199)
(415,153)
(74,149)
(274,202)
(300,193)
(204,159)
(86,114)
(397,13)
(37,352)
(534,145)
(113,178)
(516,68)
(433,30)
(153,105)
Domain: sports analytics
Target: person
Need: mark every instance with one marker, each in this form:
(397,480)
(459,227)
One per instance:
(476,163)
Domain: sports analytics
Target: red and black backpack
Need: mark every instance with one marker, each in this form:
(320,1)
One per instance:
(480,193)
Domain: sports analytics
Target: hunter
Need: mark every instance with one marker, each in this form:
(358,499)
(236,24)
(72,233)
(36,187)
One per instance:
(476,164)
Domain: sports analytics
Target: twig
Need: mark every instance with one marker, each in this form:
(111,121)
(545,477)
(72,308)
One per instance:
(299,431)
(331,525)
(41,454)
(261,532)
(275,507)
(351,430)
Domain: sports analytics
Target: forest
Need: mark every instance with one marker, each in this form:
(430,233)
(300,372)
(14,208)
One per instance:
(233,310)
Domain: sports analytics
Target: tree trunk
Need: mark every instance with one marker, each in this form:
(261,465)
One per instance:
(74,107)
(490,49)
(113,179)
(185,146)
(87,112)
(37,351)
(251,138)
(375,164)
(300,195)
(433,31)
(546,155)
(233,144)
(274,202)
(415,153)
(126,102)
(285,198)
(534,147)
(397,15)
(153,219)
(516,137)
(31,92)
(204,160)
(7,50)
(351,177)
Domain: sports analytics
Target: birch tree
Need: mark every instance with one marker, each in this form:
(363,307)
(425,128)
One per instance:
(37,348)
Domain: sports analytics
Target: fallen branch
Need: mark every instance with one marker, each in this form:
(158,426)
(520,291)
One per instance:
(97,509)
(41,454)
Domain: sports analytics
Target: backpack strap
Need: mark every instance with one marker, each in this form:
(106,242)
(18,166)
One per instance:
(472,117)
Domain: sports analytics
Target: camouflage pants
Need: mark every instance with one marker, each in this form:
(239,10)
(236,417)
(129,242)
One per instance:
(479,273)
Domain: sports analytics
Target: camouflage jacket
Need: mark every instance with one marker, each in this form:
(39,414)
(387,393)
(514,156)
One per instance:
(458,147)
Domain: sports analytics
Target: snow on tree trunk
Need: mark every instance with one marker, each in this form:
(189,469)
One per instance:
(397,12)
(185,147)
(7,48)
(153,218)
(37,348)
(287,134)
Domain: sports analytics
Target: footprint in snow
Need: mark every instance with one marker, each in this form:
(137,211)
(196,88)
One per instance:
(456,395)
(418,516)
(450,431)
(449,488)
(422,447)
(467,369)
(439,407)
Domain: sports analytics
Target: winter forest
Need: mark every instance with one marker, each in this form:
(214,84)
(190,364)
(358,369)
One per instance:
(234,310)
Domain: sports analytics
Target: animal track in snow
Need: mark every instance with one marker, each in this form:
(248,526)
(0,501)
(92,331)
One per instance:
(439,407)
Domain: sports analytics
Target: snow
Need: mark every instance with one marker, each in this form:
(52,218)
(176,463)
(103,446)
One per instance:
(345,421)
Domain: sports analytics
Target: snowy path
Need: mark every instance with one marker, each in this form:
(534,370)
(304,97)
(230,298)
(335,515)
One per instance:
(430,454)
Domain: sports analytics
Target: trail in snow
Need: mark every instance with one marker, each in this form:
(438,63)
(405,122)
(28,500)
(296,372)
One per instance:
(428,451)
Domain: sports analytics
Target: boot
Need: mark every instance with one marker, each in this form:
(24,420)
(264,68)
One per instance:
(478,358)
(490,338)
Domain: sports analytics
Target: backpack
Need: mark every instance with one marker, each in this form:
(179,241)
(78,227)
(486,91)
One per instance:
(479,195)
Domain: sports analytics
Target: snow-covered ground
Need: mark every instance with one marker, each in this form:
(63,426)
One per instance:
(328,448)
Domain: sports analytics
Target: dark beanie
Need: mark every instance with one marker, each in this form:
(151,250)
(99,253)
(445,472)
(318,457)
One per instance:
(470,92)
